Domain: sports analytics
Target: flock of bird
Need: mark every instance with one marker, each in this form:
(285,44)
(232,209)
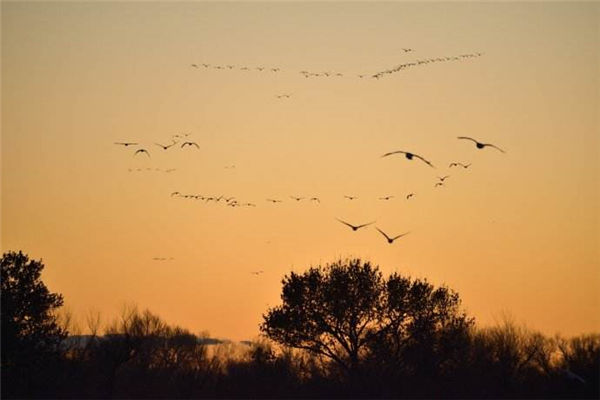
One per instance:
(182,142)
(175,140)
(337,74)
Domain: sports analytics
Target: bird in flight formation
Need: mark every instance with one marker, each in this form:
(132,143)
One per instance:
(166,147)
(141,151)
(409,156)
(126,144)
(275,201)
(296,198)
(190,144)
(386,198)
(351,197)
(481,145)
(408,196)
(457,164)
(443,178)
(390,240)
(315,199)
(257,272)
(355,227)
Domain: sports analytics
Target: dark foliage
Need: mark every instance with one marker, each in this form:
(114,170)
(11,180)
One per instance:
(343,332)
(30,333)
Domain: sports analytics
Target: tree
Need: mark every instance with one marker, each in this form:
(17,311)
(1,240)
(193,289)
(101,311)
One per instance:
(30,330)
(347,312)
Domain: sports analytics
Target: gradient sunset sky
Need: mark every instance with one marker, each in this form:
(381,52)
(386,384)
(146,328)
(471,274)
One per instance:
(515,233)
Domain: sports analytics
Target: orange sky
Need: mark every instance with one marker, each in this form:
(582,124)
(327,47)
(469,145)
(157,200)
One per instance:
(515,233)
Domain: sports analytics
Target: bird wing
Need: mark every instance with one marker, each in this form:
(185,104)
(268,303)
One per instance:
(399,236)
(427,162)
(345,223)
(468,138)
(360,226)
(494,146)
(383,233)
(393,152)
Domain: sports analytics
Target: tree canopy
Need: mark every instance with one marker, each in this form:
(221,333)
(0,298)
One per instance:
(347,312)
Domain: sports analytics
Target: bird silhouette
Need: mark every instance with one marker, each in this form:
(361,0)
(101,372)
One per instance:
(409,156)
(194,65)
(481,145)
(457,164)
(190,144)
(257,272)
(296,198)
(438,184)
(315,199)
(391,239)
(386,198)
(355,227)
(275,201)
(175,194)
(126,144)
(142,151)
(166,147)
(351,197)
(408,196)
(443,178)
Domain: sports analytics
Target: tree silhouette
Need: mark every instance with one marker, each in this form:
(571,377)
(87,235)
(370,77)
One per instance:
(348,313)
(30,330)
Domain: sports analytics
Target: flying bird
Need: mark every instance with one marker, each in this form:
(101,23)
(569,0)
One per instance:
(351,197)
(142,151)
(409,156)
(386,198)
(166,147)
(355,227)
(194,65)
(481,145)
(190,144)
(315,199)
(275,201)
(457,164)
(126,144)
(296,198)
(408,196)
(443,178)
(175,194)
(438,184)
(389,239)
(257,272)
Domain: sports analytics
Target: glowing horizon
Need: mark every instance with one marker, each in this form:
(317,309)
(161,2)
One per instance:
(516,232)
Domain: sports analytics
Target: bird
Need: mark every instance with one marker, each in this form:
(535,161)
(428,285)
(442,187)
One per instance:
(249,204)
(481,145)
(315,199)
(351,197)
(408,155)
(195,65)
(355,227)
(190,144)
(407,50)
(389,239)
(275,201)
(257,272)
(438,184)
(386,198)
(443,178)
(456,164)
(126,144)
(142,151)
(280,96)
(175,194)
(166,147)
(408,196)
(296,198)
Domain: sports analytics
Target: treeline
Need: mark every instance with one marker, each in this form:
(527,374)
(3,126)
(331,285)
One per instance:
(342,331)
(142,357)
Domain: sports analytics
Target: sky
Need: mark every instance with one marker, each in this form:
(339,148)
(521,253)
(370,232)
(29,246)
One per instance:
(516,233)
